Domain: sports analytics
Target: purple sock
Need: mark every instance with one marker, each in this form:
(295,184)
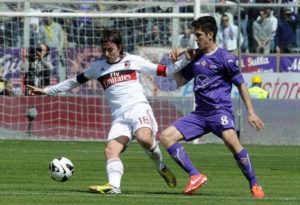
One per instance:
(244,164)
(179,154)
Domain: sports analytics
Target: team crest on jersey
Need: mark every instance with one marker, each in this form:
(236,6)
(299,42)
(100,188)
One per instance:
(211,66)
(201,81)
(203,63)
(127,64)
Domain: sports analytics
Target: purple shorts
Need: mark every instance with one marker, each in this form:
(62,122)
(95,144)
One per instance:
(198,123)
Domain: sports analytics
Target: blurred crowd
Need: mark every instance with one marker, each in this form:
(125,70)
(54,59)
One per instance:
(263,29)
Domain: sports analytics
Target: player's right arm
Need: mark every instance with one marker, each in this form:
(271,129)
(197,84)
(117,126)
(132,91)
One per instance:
(189,54)
(60,87)
(89,73)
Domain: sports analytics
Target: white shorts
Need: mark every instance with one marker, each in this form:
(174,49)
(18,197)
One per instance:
(140,115)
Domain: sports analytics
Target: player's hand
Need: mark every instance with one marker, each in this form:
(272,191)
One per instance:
(174,55)
(35,90)
(256,122)
(191,53)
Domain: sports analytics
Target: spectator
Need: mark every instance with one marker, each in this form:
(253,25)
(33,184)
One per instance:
(34,25)
(256,91)
(274,22)
(228,35)
(53,35)
(252,13)
(230,7)
(5,85)
(37,68)
(186,39)
(72,30)
(168,33)
(155,37)
(285,38)
(244,29)
(4,33)
(262,33)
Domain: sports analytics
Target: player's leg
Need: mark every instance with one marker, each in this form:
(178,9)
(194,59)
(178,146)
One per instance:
(222,124)
(151,147)
(242,158)
(118,138)
(114,167)
(145,128)
(170,137)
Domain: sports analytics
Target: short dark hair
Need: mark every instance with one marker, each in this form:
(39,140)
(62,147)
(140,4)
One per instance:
(113,36)
(206,24)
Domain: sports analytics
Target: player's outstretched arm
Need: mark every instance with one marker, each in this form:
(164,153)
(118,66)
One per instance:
(32,90)
(63,86)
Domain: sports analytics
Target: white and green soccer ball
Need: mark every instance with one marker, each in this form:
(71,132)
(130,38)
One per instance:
(61,169)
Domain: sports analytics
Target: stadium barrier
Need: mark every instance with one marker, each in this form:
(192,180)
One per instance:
(74,117)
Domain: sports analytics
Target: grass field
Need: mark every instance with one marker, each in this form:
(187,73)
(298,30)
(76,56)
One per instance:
(24,177)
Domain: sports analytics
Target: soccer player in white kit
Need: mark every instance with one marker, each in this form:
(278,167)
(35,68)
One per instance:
(117,71)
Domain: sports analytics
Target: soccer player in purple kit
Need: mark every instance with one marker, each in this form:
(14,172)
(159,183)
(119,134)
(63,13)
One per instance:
(214,70)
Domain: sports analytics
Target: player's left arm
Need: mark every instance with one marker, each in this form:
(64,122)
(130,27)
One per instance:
(253,119)
(146,66)
(234,74)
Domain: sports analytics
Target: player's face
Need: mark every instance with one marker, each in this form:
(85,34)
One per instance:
(111,52)
(203,40)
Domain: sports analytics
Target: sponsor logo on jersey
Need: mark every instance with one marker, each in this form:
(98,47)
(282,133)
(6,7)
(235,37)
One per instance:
(117,77)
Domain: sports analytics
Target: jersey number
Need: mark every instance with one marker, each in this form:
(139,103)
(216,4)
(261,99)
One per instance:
(144,120)
(224,120)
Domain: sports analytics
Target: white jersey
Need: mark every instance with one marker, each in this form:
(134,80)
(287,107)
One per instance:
(120,80)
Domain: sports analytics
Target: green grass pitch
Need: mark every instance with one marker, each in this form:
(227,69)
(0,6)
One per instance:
(24,177)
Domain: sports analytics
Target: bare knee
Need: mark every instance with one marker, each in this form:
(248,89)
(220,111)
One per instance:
(114,147)
(231,140)
(170,136)
(144,136)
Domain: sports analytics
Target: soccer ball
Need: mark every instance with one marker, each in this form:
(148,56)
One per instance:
(61,169)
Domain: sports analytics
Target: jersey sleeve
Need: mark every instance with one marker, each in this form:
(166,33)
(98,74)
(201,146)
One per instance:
(62,86)
(187,71)
(232,70)
(146,66)
(91,71)
(177,66)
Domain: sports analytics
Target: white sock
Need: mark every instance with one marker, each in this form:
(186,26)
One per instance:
(114,170)
(155,154)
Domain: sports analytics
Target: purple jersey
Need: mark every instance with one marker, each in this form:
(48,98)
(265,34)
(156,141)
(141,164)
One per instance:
(213,76)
